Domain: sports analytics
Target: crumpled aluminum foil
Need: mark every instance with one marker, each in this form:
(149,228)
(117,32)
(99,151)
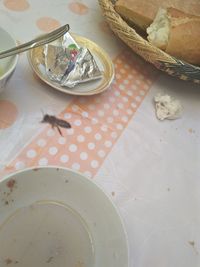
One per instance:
(68,64)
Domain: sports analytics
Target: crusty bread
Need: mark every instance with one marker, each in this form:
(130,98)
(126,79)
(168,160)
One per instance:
(142,12)
(177,33)
(134,12)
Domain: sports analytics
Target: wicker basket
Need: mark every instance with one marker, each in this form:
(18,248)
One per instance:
(142,47)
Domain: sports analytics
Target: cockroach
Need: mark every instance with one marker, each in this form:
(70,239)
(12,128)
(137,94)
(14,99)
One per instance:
(55,122)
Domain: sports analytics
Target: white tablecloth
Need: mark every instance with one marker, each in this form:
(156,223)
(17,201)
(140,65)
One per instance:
(150,169)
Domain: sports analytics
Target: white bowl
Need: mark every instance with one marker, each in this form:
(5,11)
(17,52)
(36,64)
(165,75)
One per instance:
(57,217)
(7,65)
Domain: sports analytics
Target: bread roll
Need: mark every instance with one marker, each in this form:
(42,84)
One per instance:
(142,12)
(177,33)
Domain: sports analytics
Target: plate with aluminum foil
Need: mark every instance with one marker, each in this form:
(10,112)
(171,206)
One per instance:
(73,64)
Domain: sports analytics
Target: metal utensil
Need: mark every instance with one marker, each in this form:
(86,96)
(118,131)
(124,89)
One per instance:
(41,40)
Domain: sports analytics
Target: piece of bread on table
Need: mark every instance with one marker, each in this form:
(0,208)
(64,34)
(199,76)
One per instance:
(177,33)
(142,12)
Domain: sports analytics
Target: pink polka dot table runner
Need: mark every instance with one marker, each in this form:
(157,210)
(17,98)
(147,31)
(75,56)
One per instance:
(97,122)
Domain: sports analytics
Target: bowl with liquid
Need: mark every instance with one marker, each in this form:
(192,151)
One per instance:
(57,217)
(7,65)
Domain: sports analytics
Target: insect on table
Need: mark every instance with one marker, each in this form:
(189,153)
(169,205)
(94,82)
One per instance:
(55,122)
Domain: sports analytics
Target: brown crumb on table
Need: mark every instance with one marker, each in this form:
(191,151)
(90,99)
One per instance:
(49,260)
(80,264)
(191,130)
(192,243)
(113,194)
(11,184)
(8,261)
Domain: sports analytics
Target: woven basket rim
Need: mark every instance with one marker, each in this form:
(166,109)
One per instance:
(114,20)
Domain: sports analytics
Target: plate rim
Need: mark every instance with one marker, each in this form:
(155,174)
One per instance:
(71,91)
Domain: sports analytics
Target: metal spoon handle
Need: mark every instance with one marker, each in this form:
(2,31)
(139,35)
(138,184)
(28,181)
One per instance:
(41,40)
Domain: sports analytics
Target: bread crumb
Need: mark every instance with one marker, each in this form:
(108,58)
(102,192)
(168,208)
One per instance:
(167,107)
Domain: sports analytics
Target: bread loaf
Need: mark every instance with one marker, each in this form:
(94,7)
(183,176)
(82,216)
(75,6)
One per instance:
(177,33)
(142,12)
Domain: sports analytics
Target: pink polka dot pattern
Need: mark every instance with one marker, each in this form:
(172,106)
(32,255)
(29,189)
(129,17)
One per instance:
(97,122)
(47,24)
(8,114)
(78,8)
(16,5)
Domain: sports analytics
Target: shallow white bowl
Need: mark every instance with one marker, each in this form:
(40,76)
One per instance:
(57,217)
(7,65)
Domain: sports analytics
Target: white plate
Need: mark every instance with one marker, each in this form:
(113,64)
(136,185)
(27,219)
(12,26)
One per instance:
(37,63)
(57,217)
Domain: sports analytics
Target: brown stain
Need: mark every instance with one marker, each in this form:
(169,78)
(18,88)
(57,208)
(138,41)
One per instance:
(50,259)
(192,243)
(168,189)
(113,194)
(8,261)
(11,184)
(191,131)
(79,264)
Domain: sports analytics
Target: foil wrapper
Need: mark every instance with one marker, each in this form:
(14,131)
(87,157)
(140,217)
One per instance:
(68,64)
